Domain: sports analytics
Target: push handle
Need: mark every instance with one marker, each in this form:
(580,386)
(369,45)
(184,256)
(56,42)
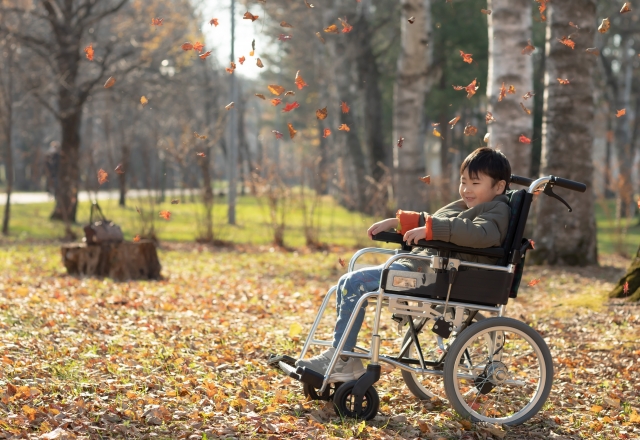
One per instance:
(569,184)
(525,181)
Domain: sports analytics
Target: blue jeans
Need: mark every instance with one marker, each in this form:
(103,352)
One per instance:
(351,287)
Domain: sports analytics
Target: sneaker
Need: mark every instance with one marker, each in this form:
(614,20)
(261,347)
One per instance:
(343,371)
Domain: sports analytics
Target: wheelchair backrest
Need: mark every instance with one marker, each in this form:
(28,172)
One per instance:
(516,201)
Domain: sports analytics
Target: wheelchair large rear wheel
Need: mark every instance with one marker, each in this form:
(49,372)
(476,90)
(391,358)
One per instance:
(498,371)
(428,386)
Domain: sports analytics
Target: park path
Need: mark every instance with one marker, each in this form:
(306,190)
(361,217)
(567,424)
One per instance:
(23,198)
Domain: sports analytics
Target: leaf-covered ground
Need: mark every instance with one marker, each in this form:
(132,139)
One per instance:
(185,357)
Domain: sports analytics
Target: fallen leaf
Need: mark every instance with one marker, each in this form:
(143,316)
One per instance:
(411,20)
(621,112)
(596,408)
(426,179)
(213,22)
(466,57)
(470,130)
(572,24)
(102,176)
(564,82)
(524,140)
(277,133)
(529,48)
(143,100)
(229,106)
(533,244)
(526,110)
(567,41)
(326,133)
(249,16)
(119,169)
(260,95)
(321,113)
(276,101)
(292,131)
(344,127)
(276,89)
(89,52)
(290,106)
(110,82)
(285,24)
(344,107)
(400,142)
(157,21)
(454,121)
(186,46)
(299,81)
(604,26)
(486,11)
(332,29)
(625,8)
(259,63)
(165,215)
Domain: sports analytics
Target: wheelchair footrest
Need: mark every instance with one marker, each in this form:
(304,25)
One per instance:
(274,360)
(289,370)
(310,377)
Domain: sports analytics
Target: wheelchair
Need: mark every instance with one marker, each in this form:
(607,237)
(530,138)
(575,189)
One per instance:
(490,369)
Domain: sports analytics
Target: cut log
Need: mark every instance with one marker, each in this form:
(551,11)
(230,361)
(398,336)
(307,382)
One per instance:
(632,281)
(120,261)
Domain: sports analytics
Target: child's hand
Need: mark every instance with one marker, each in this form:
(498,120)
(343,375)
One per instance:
(382,226)
(415,234)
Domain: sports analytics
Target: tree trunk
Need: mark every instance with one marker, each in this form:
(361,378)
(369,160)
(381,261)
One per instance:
(8,121)
(409,93)
(122,178)
(563,237)
(68,170)
(509,31)
(632,281)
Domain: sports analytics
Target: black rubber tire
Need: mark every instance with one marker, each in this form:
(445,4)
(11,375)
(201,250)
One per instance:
(341,402)
(450,367)
(410,379)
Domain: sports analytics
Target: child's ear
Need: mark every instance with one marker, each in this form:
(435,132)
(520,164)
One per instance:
(501,186)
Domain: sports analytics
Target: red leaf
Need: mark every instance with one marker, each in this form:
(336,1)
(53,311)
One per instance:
(471,88)
(277,133)
(157,21)
(327,132)
(625,8)
(533,282)
(345,107)
(533,244)
(213,22)
(564,82)
(250,16)
(625,288)
(283,37)
(205,55)
(165,215)
(290,106)
(503,92)
(119,169)
(241,60)
(529,48)
(186,46)
(136,238)
(342,262)
(346,27)
(426,179)
(524,140)
(400,142)
(201,155)
(89,51)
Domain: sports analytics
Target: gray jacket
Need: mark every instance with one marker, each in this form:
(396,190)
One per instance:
(482,226)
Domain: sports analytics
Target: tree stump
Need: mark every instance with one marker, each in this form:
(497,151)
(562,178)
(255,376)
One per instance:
(121,261)
(633,278)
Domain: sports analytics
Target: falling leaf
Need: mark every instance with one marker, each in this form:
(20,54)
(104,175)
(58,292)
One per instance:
(572,24)
(526,110)
(276,89)
(346,27)
(625,288)
(593,51)
(186,46)
(411,20)
(454,121)
(241,60)
(564,82)
(175,201)
(529,48)
(528,95)
(342,262)
(512,90)
(524,140)
(625,8)
(489,118)
(213,22)
(466,57)
(604,26)
(277,133)
(229,106)
(89,52)
(400,142)
(157,21)
(333,29)
(205,55)
(102,176)
(249,16)
(435,124)
(289,93)
(436,133)
(503,93)
(196,135)
(486,11)
(426,179)
(292,131)
(290,106)
(259,63)
(567,41)
(295,329)
(344,127)
(320,37)
(321,113)
(470,130)
(136,239)
(201,154)
(144,101)
(299,81)
(471,88)
(486,138)
(110,82)
(119,169)
(283,37)
(276,101)
(165,215)
(533,282)
(260,95)
(309,5)
(326,133)
(138,210)
(344,107)
(621,112)
(533,244)
(198,46)
(285,24)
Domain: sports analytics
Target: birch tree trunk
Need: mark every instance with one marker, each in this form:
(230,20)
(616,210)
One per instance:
(509,30)
(409,93)
(7,102)
(568,237)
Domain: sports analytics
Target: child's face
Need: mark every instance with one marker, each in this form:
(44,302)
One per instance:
(478,190)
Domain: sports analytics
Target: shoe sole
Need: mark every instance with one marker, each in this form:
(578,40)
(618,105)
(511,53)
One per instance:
(345,377)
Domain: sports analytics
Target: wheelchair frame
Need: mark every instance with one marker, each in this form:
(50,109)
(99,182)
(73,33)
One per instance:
(427,308)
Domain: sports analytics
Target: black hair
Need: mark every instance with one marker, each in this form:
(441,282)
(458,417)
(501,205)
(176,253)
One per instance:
(488,161)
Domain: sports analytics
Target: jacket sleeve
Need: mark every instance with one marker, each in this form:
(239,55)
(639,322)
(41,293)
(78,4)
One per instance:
(486,230)
(407,220)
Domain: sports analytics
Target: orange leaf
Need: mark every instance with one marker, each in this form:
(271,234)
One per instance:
(144,101)
(102,176)
(276,101)
(342,262)
(512,90)
(241,60)
(186,46)
(533,282)
(471,88)
(344,107)
(466,57)
(621,112)
(625,8)
(326,133)
(260,95)
(277,133)
(333,29)
(119,169)
(454,121)
(526,110)
(470,130)
(292,131)
(110,82)
(426,179)
(165,215)
(533,244)
(344,127)
(290,106)
(89,51)
(528,95)
(529,48)
(201,155)
(259,63)
(524,140)
(205,55)
(604,26)
(198,46)
(503,92)
(276,89)
(567,41)
(436,132)
(321,113)
(214,22)
(400,142)
(157,21)
(136,238)
(299,81)
(486,11)
(596,408)
(625,288)
(564,82)
(346,27)
(249,16)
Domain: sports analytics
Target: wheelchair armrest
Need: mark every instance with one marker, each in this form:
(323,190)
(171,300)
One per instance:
(361,252)
(392,237)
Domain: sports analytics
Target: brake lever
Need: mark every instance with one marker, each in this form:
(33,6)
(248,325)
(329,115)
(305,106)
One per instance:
(548,190)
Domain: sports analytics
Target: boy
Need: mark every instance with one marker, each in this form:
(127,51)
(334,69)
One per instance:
(480,219)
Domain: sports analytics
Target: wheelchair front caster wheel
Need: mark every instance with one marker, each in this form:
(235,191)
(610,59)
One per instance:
(344,402)
(311,393)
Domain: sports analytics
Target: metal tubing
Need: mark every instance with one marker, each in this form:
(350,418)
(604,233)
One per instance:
(510,268)
(375,349)
(438,302)
(314,327)
(361,252)
(536,183)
